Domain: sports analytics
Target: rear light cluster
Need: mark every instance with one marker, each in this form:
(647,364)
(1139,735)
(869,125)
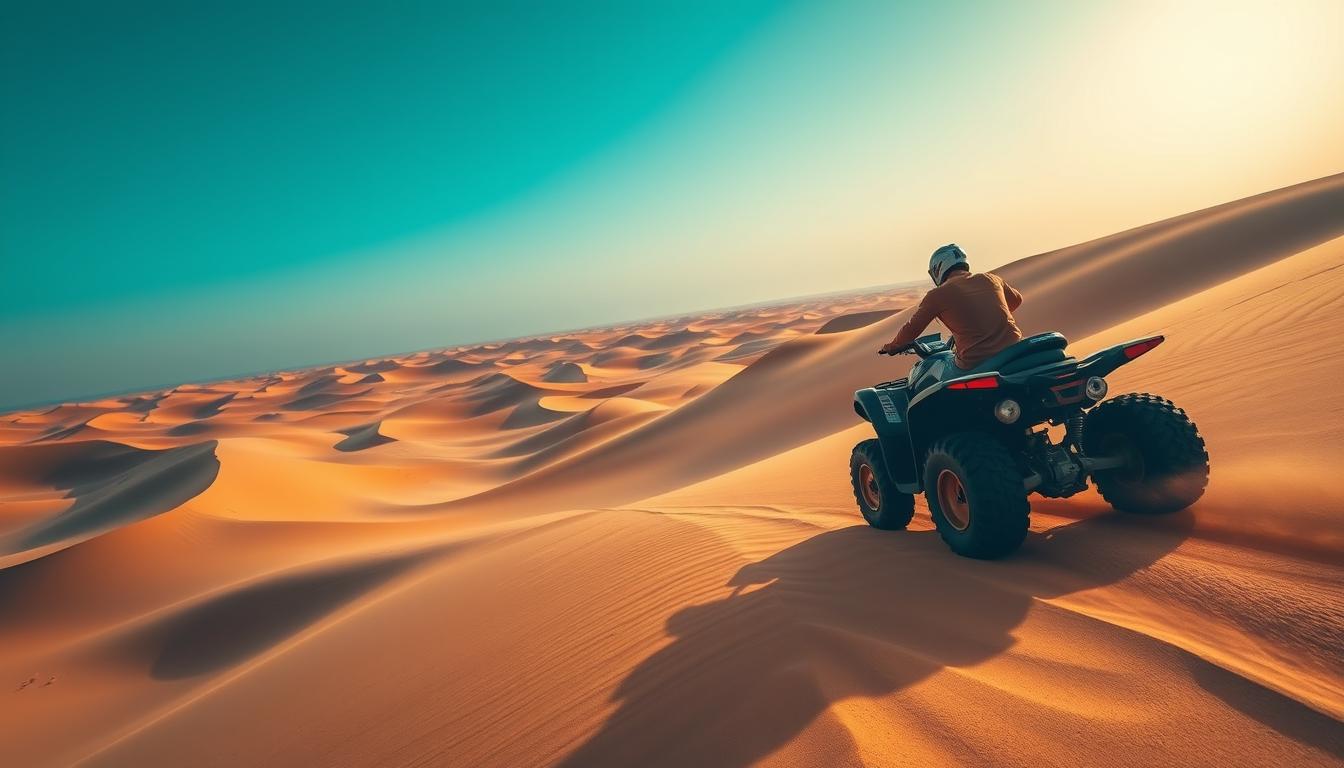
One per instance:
(1139,347)
(984,382)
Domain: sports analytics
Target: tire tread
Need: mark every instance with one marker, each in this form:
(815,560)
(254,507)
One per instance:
(1001,513)
(1164,429)
(897,508)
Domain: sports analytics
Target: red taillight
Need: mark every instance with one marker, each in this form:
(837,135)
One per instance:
(1138,348)
(984,382)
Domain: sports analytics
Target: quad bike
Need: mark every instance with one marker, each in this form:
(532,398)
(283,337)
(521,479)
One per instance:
(977,442)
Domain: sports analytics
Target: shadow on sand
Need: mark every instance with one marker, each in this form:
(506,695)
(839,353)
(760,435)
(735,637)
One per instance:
(850,612)
(230,628)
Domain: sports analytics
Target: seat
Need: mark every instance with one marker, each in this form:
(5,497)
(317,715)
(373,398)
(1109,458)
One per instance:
(1031,352)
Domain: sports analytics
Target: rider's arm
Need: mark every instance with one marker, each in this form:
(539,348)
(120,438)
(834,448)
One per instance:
(924,314)
(1013,296)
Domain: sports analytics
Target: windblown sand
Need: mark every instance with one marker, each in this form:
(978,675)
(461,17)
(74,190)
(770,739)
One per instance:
(638,546)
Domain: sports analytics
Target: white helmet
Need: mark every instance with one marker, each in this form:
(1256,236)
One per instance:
(943,260)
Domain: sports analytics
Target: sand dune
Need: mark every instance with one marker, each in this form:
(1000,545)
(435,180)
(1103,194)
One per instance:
(1116,277)
(451,367)
(1274,440)
(362,437)
(108,485)
(637,545)
(565,371)
(854,320)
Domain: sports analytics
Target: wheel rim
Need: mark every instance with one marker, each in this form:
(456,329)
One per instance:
(952,500)
(868,486)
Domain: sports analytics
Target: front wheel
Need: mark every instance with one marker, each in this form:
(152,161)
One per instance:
(975,494)
(880,501)
(1166,464)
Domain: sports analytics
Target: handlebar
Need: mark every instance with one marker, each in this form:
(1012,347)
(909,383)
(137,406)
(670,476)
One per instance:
(924,346)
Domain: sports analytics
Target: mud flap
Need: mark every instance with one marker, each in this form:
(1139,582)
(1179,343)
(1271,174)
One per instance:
(886,409)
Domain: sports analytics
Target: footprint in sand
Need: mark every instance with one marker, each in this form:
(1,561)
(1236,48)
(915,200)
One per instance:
(33,679)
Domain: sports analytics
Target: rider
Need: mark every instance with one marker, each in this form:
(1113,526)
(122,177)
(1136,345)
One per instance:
(976,307)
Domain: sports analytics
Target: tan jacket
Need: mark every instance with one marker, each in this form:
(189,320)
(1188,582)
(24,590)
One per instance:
(978,310)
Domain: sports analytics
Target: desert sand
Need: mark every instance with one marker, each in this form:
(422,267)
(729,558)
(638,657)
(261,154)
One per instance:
(637,545)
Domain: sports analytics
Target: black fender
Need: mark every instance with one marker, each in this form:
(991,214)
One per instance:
(938,411)
(885,408)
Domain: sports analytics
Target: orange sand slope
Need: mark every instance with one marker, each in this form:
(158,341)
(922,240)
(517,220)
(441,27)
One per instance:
(637,546)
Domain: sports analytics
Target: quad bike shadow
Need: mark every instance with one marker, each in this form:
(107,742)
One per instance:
(848,613)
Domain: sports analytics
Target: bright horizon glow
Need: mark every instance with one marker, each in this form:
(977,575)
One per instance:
(638,167)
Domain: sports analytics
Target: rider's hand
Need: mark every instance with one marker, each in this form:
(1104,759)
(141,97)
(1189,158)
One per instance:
(886,349)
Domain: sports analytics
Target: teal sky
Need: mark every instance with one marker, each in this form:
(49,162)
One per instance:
(194,190)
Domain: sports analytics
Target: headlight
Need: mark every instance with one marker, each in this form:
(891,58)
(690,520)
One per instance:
(1096,387)
(1007,411)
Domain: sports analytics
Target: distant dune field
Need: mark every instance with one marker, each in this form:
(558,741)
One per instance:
(637,545)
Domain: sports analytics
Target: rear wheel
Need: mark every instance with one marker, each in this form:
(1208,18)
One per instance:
(882,504)
(975,495)
(1166,464)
